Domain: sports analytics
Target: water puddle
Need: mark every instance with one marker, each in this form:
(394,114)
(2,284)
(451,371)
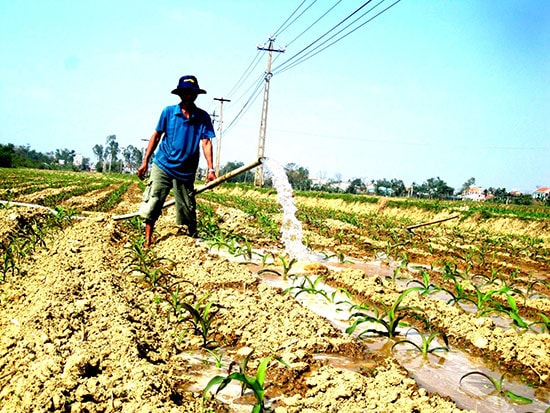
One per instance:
(438,372)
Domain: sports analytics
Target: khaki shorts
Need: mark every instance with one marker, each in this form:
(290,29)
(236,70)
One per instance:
(158,187)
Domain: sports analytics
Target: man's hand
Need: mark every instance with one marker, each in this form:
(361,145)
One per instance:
(142,170)
(210,177)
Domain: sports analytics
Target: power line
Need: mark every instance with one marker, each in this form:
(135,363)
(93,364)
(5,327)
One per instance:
(251,99)
(282,68)
(314,23)
(281,29)
(246,73)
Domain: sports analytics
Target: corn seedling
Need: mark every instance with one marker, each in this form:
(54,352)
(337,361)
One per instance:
(176,298)
(254,383)
(427,340)
(287,265)
(498,386)
(145,262)
(512,311)
(483,300)
(218,355)
(425,286)
(544,322)
(389,317)
(201,316)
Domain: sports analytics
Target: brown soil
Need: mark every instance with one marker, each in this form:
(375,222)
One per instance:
(83,331)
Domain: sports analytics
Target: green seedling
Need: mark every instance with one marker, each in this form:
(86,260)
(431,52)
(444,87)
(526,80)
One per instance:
(217,357)
(544,322)
(389,317)
(427,340)
(287,265)
(175,298)
(512,311)
(254,383)
(426,287)
(458,294)
(498,386)
(145,262)
(310,287)
(201,316)
(531,292)
(484,301)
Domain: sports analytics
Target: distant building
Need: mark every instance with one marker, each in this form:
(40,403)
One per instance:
(542,193)
(78,159)
(473,193)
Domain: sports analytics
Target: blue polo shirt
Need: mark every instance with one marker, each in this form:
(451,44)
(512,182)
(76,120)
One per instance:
(178,151)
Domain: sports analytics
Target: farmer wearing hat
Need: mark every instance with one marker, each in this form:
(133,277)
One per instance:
(180,131)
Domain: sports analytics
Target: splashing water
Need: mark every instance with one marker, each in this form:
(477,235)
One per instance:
(291,228)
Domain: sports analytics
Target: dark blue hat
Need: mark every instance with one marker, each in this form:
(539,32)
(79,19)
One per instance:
(188,84)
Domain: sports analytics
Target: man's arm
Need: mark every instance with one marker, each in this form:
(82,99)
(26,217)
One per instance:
(151,147)
(208,155)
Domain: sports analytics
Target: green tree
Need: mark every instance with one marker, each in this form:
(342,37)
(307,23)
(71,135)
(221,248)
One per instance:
(132,158)
(247,176)
(7,153)
(99,153)
(434,188)
(111,151)
(356,186)
(466,185)
(383,187)
(398,187)
(64,156)
(298,177)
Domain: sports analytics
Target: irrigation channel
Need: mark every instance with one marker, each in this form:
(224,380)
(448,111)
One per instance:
(437,372)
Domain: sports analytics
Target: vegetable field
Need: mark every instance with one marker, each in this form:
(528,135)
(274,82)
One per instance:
(385,314)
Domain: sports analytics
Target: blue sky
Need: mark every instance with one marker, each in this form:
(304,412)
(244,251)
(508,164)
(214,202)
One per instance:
(430,88)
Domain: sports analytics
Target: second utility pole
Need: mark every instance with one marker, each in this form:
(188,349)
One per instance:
(220,123)
(259,176)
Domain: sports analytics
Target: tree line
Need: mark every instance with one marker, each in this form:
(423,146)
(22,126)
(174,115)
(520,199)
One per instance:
(111,158)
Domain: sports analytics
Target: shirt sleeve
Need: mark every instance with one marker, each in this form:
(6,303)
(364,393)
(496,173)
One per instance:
(208,129)
(161,125)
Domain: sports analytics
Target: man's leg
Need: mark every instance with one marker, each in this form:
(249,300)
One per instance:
(149,227)
(186,213)
(154,196)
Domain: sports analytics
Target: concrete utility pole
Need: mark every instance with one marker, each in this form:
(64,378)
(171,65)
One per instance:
(220,123)
(259,176)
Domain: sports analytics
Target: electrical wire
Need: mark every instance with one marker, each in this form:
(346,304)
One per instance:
(314,23)
(282,28)
(255,61)
(246,106)
(311,54)
(288,64)
(297,17)
(298,54)
(301,55)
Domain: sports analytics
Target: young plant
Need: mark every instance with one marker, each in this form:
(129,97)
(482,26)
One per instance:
(426,287)
(498,386)
(512,311)
(544,322)
(287,265)
(483,300)
(427,340)
(254,383)
(145,261)
(201,316)
(389,318)
(218,355)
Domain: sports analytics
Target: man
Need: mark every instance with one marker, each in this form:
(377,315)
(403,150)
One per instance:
(180,131)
